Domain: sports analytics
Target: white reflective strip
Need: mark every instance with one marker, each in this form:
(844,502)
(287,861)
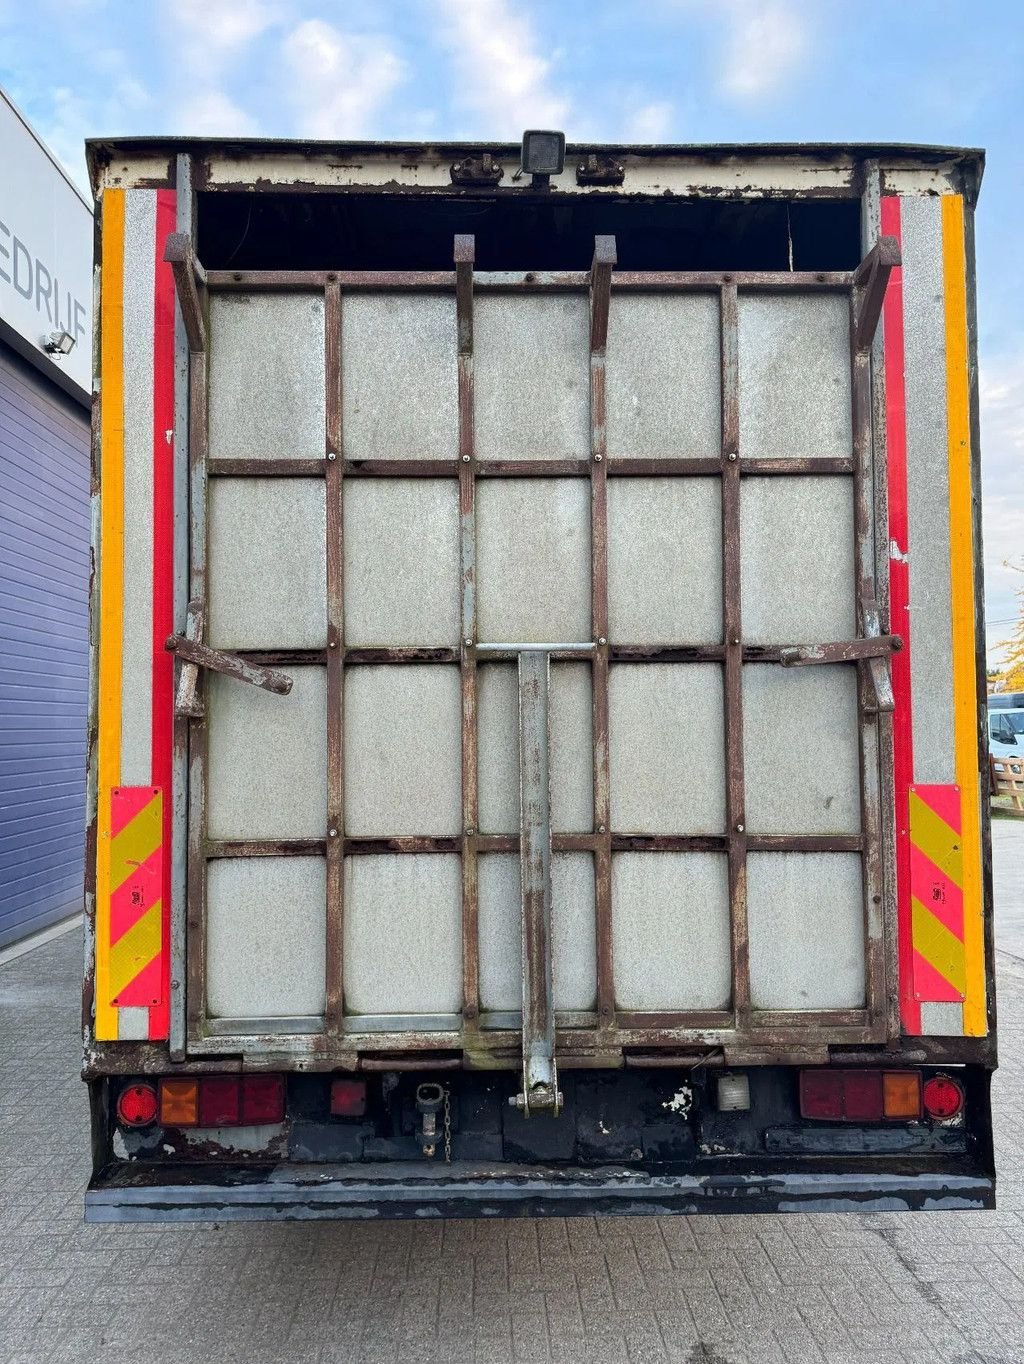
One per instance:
(942,1020)
(132,1025)
(137,630)
(931,681)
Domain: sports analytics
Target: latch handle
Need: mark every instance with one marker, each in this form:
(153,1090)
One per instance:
(231,665)
(846,651)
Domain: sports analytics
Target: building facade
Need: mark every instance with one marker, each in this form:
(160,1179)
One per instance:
(45,383)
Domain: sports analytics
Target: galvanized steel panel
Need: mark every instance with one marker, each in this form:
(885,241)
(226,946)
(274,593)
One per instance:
(137,619)
(571,751)
(402,568)
(532,376)
(666,748)
(665,560)
(797,560)
(267,563)
(265,942)
(403,750)
(573,940)
(399,387)
(44,623)
(402,948)
(267,759)
(267,387)
(805,914)
(663,382)
(533,559)
(931,614)
(801,749)
(794,375)
(670,924)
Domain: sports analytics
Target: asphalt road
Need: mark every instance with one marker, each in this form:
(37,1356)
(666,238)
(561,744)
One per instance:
(889,1288)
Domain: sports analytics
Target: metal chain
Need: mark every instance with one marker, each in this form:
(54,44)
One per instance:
(447,1125)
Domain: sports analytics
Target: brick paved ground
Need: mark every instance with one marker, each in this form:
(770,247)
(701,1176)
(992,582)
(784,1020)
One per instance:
(701,1290)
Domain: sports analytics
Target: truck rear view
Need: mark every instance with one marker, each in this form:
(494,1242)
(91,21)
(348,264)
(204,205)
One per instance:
(537,726)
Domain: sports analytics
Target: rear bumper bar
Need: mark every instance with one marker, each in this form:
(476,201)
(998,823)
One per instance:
(299,1193)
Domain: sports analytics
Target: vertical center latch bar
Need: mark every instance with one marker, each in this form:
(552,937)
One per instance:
(540,1076)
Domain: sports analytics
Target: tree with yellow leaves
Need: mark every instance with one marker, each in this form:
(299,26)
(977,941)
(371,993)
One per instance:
(1010,676)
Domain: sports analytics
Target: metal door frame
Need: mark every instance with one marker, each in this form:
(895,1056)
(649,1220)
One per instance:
(602,1037)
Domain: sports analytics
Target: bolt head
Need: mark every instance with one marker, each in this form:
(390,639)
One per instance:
(600,828)
(333,833)
(598,459)
(465,459)
(739,828)
(331,455)
(732,456)
(468,642)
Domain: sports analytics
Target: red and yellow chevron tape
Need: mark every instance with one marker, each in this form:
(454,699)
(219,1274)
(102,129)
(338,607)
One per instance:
(936,891)
(136,876)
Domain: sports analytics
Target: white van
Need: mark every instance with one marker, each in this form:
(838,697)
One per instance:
(1006,725)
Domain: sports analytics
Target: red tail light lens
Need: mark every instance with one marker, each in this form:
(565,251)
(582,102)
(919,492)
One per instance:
(136,1106)
(943,1097)
(348,1098)
(262,1099)
(222,1101)
(860,1095)
(219,1101)
(821,1094)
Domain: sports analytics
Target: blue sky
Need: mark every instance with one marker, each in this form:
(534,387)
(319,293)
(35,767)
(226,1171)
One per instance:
(948,72)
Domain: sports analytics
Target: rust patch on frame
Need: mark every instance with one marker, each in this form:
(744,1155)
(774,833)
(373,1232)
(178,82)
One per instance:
(335,834)
(600,301)
(464,256)
(735,800)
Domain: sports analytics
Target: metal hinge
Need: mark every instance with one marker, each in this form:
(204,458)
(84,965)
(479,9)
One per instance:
(600,170)
(477,170)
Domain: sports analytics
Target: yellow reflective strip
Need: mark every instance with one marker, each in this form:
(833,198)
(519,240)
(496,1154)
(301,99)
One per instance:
(137,841)
(134,950)
(933,836)
(961,560)
(941,949)
(111,586)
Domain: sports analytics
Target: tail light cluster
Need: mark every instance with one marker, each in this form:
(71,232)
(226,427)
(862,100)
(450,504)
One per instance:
(836,1095)
(204,1101)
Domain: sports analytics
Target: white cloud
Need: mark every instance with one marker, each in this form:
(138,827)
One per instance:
(648,123)
(220,28)
(764,43)
(1002,458)
(339,81)
(502,78)
(212,113)
(210,38)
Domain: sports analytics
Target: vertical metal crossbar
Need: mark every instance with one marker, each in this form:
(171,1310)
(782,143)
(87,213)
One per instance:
(600,298)
(184,205)
(464,257)
(540,1081)
(871,687)
(733,627)
(335,844)
(198,734)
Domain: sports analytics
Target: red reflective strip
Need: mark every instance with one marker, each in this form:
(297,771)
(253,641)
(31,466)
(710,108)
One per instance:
(899,610)
(939,894)
(163,573)
(931,986)
(132,898)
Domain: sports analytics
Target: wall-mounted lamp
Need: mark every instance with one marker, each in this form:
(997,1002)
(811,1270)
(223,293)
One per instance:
(58,343)
(543,155)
